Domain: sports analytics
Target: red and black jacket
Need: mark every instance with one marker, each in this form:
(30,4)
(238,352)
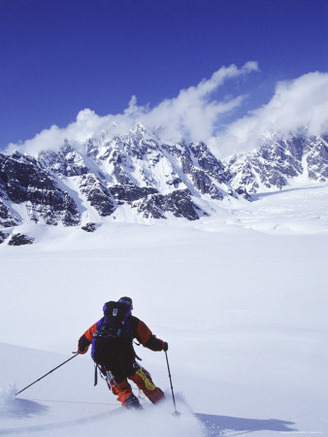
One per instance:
(139,331)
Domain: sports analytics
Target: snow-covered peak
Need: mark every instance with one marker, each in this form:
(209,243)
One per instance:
(136,176)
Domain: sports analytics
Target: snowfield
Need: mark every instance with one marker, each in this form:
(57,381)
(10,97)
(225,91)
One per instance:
(241,298)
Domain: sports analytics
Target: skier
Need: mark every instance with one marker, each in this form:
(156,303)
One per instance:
(112,349)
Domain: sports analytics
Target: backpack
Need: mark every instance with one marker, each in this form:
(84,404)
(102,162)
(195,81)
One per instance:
(113,332)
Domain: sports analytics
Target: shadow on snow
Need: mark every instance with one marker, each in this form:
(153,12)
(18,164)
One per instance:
(220,425)
(21,408)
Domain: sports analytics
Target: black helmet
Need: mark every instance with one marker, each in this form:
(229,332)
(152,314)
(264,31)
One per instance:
(127,300)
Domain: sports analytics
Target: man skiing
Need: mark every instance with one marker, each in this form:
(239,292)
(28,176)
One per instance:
(112,349)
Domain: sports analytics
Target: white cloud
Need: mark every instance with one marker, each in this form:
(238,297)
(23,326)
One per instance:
(196,111)
(297,104)
(192,114)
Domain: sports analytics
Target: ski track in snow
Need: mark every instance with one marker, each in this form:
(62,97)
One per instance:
(49,417)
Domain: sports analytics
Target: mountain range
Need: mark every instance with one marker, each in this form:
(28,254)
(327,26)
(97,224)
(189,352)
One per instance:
(137,176)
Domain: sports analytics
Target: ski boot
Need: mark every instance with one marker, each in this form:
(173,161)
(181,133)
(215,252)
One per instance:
(132,402)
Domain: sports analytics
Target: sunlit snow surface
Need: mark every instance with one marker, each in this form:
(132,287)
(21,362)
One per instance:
(241,297)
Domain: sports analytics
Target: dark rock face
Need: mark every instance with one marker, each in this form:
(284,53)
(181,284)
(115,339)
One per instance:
(7,217)
(97,194)
(24,180)
(130,193)
(3,236)
(201,167)
(66,162)
(147,177)
(317,159)
(20,240)
(179,203)
(89,227)
(274,164)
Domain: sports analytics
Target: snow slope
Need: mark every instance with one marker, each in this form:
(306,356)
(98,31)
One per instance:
(241,298)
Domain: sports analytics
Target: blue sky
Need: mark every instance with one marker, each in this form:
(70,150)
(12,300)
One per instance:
(60,57)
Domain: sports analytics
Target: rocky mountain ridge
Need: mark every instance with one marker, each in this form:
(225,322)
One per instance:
(138,174)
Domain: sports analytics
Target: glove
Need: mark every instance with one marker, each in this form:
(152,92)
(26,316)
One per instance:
(165,346)
(83,345)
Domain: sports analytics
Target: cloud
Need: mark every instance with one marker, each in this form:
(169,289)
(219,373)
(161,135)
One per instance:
(195,113)
(192,115)
(296,104)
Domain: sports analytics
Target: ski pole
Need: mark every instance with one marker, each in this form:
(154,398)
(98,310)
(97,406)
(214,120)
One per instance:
(39,379)
(170,378)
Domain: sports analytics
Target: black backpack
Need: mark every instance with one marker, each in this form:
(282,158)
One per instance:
(113,331)
(116,323)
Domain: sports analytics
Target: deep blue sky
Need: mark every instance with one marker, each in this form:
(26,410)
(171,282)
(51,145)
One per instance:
(60,56)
